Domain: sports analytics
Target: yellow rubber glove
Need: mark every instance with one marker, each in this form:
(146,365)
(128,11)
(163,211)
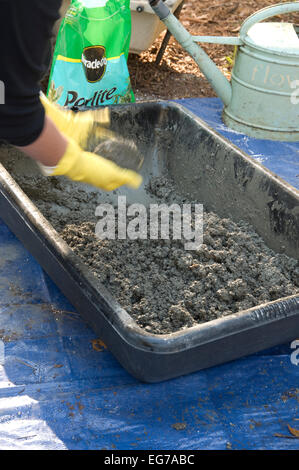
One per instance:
(93,169)
(78,126)
(79,165)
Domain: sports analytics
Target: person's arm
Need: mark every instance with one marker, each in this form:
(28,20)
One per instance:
(49,147)
(58,149)
(29,123)
(59,154)
(25,45)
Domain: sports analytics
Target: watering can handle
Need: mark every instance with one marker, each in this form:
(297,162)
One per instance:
(265,13)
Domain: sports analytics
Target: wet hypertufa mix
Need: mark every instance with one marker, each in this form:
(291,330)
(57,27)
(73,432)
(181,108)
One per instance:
(90,58)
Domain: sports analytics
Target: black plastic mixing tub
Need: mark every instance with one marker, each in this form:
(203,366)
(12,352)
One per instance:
(206,167)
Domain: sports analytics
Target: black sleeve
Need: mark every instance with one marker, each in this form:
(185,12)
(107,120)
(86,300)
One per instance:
(25,34)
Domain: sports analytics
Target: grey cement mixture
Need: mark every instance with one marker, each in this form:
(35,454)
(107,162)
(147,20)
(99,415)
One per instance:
(161,285)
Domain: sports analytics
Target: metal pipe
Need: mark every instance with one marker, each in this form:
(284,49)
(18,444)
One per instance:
(218,81)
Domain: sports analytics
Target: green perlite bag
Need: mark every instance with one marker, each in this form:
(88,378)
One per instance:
(90,59)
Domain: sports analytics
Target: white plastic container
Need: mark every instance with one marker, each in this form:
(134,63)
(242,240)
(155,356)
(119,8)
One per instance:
(146,26)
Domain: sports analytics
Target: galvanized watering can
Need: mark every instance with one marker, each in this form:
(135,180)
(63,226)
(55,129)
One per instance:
(262,99)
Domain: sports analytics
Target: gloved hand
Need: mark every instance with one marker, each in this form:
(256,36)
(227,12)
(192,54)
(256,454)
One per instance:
(94,169)
(78,126)
(79,165)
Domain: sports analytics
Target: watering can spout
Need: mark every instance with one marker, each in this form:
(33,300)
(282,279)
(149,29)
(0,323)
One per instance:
(217,80)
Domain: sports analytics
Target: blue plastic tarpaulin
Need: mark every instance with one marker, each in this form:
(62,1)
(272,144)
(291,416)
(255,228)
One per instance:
(60,388)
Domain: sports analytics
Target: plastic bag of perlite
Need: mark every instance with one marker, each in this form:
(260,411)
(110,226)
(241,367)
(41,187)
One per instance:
(89,65)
